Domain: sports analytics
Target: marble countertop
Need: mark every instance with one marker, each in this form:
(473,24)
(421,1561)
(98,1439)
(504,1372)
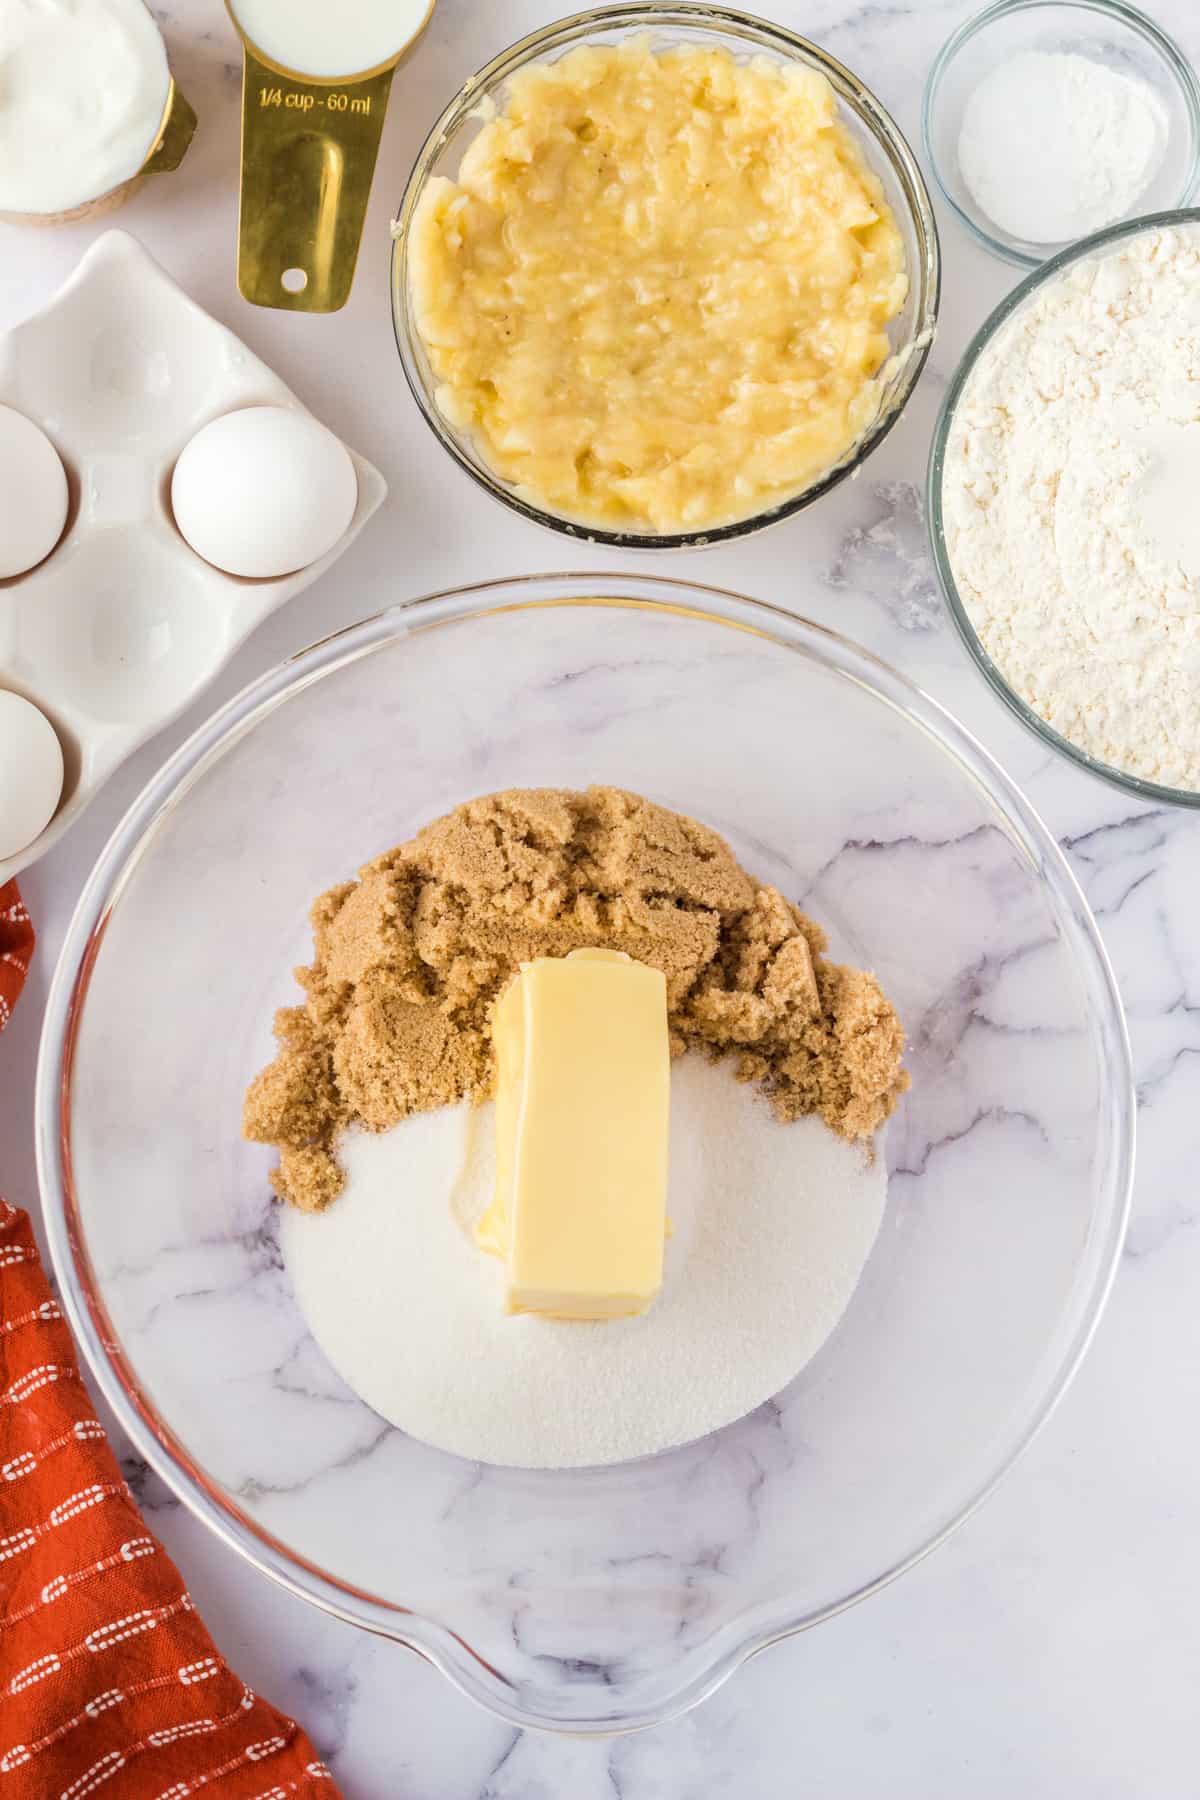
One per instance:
(1051,1647)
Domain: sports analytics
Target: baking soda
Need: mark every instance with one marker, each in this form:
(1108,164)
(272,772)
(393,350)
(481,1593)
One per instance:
(772,1225)
(1054,145)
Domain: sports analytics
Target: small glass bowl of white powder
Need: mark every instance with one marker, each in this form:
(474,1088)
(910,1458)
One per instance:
(1047,120)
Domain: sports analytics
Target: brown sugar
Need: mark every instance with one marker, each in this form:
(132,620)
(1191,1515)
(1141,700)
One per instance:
(409,959)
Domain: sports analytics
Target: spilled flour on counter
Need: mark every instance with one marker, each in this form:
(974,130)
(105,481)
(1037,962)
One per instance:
(772,1225)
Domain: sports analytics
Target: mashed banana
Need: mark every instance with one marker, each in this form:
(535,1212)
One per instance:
(657,294)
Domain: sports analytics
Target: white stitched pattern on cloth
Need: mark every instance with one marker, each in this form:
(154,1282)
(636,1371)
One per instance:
(268,1747)
(105,1637)
(19,1391)
(48,1309)
(37,1670)
(62,1514)
(170,1734)
(59,1585)
(102,1703)
(117,1631)
(29,1460)
(19,1754)
(204,1670)
(94,1777)
(253,1753)
(86,1498)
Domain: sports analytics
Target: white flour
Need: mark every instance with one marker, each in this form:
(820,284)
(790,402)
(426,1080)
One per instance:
(772,1226)
(1071,504)
(1054,146)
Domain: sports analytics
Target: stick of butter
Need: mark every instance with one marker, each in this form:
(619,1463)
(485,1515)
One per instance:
(582,1104)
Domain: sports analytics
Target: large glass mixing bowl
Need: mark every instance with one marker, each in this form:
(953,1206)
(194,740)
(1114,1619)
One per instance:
(594,1599)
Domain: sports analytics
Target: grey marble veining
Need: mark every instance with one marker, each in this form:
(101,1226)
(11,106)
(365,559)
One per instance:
(1051,1647)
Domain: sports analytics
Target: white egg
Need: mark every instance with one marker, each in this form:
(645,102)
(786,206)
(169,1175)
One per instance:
(264,491)
(31,773)
(33,494)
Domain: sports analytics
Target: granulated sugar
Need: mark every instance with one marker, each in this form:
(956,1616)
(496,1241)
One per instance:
(772,1225)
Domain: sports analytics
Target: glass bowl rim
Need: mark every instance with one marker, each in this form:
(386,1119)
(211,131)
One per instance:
(1130,16)
(871,114)
(707,1667)
(1152,791)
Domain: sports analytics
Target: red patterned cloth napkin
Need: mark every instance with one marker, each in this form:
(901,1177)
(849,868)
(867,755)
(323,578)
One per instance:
(16,948)
(109,1683)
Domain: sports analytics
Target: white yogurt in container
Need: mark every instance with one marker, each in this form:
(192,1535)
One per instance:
(84,86)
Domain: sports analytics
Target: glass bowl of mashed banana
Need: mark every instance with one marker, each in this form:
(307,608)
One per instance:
(663,275)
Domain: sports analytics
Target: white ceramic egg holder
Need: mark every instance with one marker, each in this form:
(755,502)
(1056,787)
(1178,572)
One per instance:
(118,630)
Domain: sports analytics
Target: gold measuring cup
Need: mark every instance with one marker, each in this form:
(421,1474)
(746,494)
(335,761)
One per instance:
(308,157)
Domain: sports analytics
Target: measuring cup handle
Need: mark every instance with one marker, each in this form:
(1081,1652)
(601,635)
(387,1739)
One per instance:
(308,157)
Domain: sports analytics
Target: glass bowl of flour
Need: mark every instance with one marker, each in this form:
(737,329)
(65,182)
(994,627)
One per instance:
(1047,120)
(945,1295)
(1062,489)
